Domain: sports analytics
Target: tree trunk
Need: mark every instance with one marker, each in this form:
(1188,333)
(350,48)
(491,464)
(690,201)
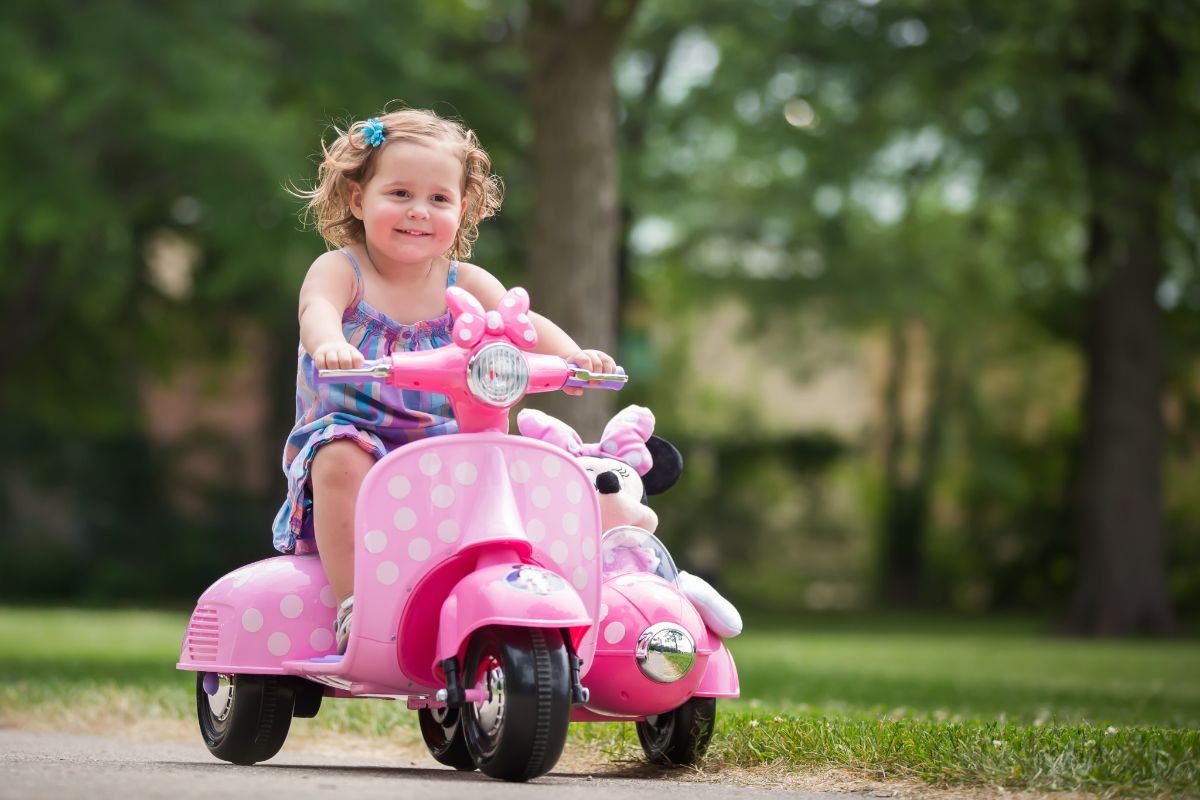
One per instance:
(1121,588)
(573,250)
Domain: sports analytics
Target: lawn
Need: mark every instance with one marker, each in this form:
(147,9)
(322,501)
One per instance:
(949,702)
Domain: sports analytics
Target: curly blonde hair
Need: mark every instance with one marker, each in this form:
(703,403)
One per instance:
(349,159)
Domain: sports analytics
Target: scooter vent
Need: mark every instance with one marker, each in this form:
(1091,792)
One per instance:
(202,634)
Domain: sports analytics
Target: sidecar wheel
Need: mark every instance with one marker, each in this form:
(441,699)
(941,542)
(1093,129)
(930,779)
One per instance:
(442,731)
(518,733)
(248,718)
(679,736)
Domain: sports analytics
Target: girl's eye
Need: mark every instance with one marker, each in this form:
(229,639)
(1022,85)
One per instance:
(440,198)
(401,193)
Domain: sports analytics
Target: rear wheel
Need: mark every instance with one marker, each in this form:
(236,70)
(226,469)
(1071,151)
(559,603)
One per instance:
(679,736)
(518,733)
(442,731)
(247,718)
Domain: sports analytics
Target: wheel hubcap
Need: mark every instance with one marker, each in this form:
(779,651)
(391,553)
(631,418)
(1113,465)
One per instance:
(221,701)
(490,713)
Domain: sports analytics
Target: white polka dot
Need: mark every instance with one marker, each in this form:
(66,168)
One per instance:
(252,620)
(509,302)
(540,497)
(375,541)
(558,551)
(519,470)
(520,291)
(455,290)
(529,335)
(574,492)
(536,530)
(551,466)
(631,418)
(447,530)
(399,487)
(603,611)
(328,598)
(279,644)
(419,549)
(443,496)
(464,334)
(466,473)
(467,318)
(405,519)
(609,446)
(589,549)
(321,639)
(522,318)
(580,578)
(291,606)
(571,523)
(431,464)
(387,573)
(634,458)
(614,632)
(493,323)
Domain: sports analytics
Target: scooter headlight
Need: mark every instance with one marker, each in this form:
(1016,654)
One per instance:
(665,652)
(498,374)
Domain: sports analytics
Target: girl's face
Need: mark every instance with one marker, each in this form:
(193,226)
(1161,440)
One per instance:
(412,204)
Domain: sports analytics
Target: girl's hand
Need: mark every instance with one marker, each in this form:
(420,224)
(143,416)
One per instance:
(337,355)
(592,361)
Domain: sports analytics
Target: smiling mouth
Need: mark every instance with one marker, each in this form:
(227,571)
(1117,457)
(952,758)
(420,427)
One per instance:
(410,232)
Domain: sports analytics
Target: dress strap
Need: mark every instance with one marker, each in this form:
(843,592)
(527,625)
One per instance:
(358,291)
(452,275)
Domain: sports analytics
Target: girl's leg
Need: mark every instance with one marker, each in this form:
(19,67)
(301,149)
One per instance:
(337,472)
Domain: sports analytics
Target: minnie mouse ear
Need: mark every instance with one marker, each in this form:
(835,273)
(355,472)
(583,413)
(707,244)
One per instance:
(668,466)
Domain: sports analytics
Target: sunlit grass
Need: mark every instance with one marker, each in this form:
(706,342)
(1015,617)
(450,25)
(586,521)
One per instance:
(946,702)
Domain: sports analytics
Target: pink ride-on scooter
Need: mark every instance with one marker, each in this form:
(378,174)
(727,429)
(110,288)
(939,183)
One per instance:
(486,594)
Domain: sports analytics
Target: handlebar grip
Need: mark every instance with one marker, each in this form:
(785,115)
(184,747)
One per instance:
(370,372)
(585,383)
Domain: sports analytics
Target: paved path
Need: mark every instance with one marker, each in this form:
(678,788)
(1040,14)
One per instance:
(60,766)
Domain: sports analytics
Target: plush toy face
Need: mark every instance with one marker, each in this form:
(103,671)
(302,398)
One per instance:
(621,493)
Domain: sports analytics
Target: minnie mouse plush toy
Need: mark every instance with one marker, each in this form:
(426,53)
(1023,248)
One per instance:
(627,465)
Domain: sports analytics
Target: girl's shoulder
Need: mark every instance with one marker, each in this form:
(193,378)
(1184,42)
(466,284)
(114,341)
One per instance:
(481,283)
(334,274)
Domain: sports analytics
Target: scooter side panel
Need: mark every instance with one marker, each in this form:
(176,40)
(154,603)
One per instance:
(260,615)
(720,676)
(429,500)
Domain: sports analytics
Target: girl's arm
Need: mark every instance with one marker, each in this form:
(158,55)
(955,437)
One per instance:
(326,293)
(552,340)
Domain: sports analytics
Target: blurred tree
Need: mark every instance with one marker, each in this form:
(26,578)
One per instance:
(571,46)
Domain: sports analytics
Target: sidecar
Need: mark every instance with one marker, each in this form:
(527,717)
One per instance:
(655,662)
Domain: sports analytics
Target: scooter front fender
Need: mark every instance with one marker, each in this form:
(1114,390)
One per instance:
(512,594)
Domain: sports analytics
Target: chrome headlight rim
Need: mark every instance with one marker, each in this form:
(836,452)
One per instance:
(665,652)
(480,391)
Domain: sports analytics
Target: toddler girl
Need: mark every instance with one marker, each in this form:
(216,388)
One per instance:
(401,196)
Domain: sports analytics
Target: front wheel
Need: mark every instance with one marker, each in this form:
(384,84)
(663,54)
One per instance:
(247,718)
(679,736)
(518,733)
(442,730)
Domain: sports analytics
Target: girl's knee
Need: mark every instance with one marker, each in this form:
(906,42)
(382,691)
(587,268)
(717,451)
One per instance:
(340,464)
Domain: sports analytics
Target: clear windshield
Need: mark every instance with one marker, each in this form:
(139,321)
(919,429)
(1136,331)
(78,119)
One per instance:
(629,549)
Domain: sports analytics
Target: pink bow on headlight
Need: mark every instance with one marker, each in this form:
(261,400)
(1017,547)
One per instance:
(511,318)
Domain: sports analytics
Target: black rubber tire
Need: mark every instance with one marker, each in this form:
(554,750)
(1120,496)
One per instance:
(519,733)
(680,736)
(308,698)
(443,735)
(254,720)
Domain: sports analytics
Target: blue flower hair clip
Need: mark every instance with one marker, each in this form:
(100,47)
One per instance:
(372,132)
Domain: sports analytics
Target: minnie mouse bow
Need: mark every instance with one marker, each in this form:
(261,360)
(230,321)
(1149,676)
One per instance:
(511,318)
(624,437)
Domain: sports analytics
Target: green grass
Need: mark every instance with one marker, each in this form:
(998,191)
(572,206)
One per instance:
(947,702)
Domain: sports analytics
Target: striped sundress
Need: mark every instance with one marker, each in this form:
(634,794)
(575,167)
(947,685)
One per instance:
(377,417)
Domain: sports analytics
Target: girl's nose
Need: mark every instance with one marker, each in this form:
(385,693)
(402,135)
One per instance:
(608,483)
(417,211)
